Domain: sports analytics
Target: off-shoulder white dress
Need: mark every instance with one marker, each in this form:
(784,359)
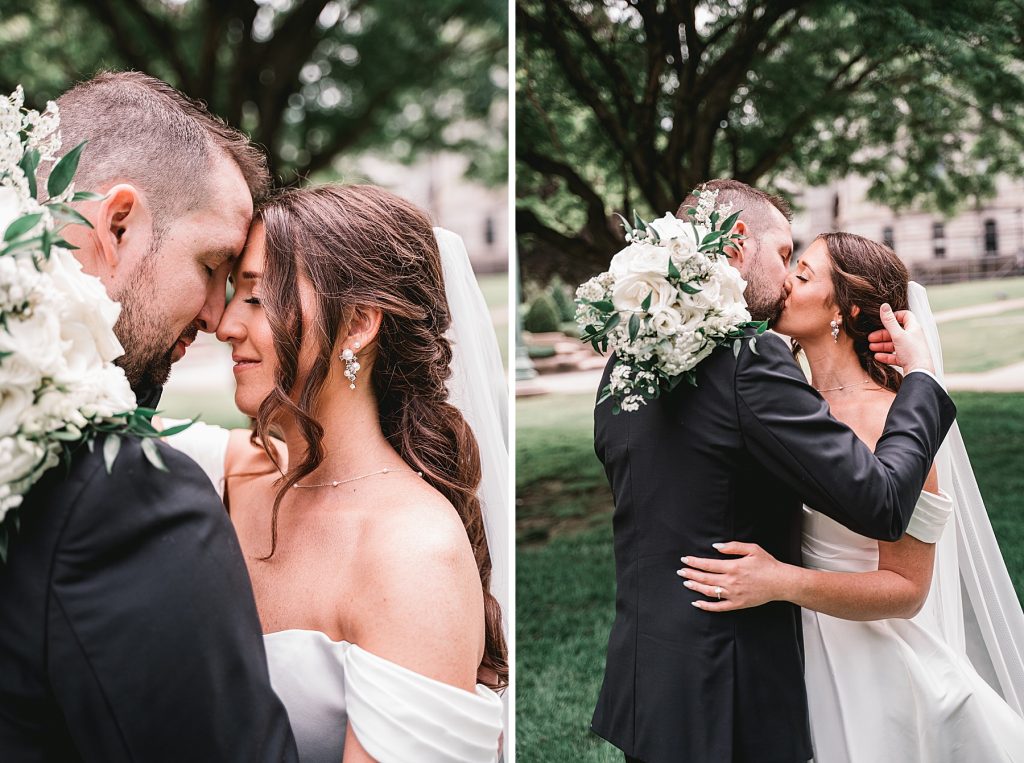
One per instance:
(398,715)
(894,690)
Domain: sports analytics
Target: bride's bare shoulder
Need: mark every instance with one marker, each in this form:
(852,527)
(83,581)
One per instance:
(245,458)
(417,573)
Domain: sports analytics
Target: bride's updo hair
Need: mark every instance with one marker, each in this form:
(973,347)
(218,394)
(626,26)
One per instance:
(867,274)
(360,246)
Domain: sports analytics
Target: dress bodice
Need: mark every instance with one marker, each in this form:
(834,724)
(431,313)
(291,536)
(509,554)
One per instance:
(827,545)
(396,714)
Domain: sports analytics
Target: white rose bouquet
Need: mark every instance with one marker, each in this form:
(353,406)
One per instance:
(666,302)
(59,387)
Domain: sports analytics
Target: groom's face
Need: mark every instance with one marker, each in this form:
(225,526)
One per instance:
(767,251)
(170,282)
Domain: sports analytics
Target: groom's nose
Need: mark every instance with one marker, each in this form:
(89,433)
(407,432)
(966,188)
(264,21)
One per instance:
(209,317)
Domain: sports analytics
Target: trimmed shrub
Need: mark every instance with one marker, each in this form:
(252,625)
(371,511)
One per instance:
(542,315)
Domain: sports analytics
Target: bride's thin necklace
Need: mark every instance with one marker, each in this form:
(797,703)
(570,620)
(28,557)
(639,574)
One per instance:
(843,386)
(385,470)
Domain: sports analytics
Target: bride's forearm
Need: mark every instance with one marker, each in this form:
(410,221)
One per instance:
(876,595)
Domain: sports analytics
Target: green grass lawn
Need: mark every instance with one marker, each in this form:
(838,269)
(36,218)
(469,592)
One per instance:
(971,345)
(971,293)
(564,566)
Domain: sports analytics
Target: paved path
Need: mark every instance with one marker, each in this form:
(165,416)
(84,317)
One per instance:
(989,308)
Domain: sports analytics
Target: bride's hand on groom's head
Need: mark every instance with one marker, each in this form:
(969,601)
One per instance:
(901,342)
(753,579)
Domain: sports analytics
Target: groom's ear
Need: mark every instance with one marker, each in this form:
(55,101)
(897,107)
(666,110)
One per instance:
(123,225)
(736,252)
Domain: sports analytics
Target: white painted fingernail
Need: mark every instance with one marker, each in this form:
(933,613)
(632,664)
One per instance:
(717,545)
(688,584)
(696,604)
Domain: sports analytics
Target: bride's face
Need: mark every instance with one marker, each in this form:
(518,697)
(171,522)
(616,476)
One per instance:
(245,327)
(808,309)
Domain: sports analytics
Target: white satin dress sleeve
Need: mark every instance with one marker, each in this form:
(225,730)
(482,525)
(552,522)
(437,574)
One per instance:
(206,444)
(397,715)
(930,516)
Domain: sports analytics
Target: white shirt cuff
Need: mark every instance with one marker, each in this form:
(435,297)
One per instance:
(927,372)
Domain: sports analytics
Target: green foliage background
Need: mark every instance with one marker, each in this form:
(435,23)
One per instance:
(624,105)
(308,79)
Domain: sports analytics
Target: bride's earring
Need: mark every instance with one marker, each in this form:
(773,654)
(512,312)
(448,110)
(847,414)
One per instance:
(351,365)
(835,330)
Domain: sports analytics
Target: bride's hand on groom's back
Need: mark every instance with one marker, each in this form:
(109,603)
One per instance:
(754,578)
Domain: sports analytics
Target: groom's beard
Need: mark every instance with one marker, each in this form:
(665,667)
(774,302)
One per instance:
(147,349)
(765,299)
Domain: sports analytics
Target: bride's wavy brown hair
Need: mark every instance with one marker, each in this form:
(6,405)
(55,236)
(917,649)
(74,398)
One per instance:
(360,246)
(867,274)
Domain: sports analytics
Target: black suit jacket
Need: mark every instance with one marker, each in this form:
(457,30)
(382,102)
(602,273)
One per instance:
(129,630)
(733,459)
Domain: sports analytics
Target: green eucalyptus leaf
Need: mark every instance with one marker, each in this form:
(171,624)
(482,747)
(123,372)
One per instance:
(604,305)
(87,196)
(673,271)
(111,447)
(730,221)
(689,289)
(178,428)
(638,223)
(22,225)
(646,304)
(66,436)
(29,163)
(625,223)
(63,171)
(70,214)
(634,326)
(152,454)
(614,321)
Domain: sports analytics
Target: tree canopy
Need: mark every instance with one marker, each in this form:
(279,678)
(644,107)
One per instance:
(625,104)
(308,79)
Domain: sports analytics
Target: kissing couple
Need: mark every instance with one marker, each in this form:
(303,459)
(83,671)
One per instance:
(827,526)
(327,586)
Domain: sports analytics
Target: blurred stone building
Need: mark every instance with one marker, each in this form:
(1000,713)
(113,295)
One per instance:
(983,242)
(437,183)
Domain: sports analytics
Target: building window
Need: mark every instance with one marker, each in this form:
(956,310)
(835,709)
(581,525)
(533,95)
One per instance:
(991,238)
(489,231)
(888,238)
(939,240)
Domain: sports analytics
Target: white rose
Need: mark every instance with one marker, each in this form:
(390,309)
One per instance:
(36,341)
(15,401)
(639,259)
(631,290)
(81,355)
(10,207)
(691,312)
(709,295)
(111,393)
(86,301)
(666,320)
(731,285)
(17,457)
(671,226)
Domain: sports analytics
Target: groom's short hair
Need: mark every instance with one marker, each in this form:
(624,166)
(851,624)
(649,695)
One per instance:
(754,205)
(141,130)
